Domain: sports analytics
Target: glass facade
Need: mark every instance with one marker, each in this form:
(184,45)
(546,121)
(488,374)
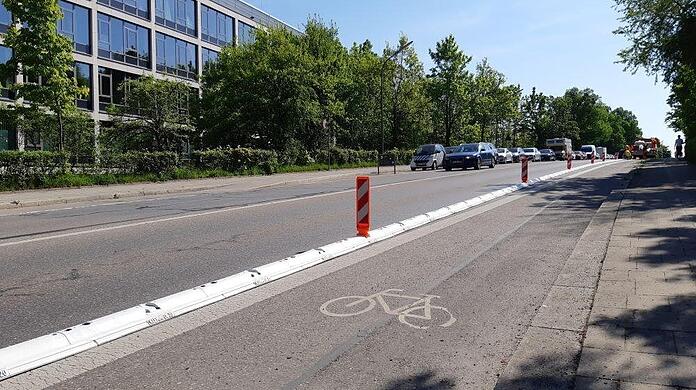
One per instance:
(6,55)
(179,15)
(176,57)
(122,41)
(110,91)
(75,26)
(246,34)
(83,75)
(140,8)
(208,56)
(216,27)
(5,18)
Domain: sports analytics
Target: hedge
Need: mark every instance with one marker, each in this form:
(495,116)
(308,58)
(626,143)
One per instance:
(402,156)
(340,156)
(141,162)
(237,160)
(26,169)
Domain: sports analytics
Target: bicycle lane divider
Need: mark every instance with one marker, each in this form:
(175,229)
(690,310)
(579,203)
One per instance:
(39,351)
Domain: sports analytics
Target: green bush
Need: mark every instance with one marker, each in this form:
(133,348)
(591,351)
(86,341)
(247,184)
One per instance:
(21,169)
(338,156)
(295,154)
(159,163)
(402,156)
(237,160)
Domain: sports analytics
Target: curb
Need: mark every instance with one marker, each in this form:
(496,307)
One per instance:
(43,350)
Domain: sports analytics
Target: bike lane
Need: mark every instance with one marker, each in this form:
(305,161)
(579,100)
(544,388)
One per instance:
(491,270)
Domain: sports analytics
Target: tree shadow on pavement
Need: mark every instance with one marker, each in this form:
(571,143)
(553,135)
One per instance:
(543,371)
(426,380)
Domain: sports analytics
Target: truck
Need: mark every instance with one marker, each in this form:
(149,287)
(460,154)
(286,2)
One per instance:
(562,147)
(601,152)
(645,148)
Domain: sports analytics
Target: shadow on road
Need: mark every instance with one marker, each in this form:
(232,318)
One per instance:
(427,380)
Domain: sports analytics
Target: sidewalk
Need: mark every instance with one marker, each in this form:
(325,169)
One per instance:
(622,312)
(641,331)
(10,200)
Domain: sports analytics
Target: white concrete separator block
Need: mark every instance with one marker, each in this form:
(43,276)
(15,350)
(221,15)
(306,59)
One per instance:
(385,232)
(178,303)
(459,207)
(37,352)
(229,285)
(439,214)
(474,202)
(414,222)
(307,258)
(342,247)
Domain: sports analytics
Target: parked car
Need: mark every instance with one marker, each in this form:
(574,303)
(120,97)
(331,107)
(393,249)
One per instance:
(578,155)
(492,147)
(547,155)
(588,151)
(428,156)
(504,156)
(516,153)
(532,154)
(470,156)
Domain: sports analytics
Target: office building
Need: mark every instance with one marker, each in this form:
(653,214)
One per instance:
(114,40)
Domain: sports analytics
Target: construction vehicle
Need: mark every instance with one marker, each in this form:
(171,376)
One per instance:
(562,147)
(645,148)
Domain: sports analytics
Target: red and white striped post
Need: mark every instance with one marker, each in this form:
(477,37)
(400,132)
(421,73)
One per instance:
(593,157)
(525,168)
(604,156)
(362,205)
(569,164)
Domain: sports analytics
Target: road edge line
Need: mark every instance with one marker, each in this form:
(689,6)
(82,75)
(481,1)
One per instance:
(28,355)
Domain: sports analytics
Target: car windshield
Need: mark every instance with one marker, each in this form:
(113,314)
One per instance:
(469,148)
(586,149)
(502,150)
(425,150)
(530,150)
(451,149)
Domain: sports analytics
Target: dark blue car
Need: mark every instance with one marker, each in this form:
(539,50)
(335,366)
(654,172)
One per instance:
(471,156)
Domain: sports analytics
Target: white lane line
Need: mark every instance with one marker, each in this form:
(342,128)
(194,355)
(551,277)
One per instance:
(37,352)
(218,211)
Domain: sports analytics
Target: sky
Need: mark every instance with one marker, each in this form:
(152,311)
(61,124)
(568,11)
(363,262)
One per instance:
(552,45)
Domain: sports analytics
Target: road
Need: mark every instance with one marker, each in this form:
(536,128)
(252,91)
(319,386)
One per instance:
(490,268)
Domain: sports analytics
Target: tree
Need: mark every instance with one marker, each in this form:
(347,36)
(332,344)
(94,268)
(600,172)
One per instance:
(534,108)
(155,116)
(448,80)
(44,57)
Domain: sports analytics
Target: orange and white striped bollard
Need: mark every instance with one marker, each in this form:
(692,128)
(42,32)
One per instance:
(362,203)
(525,168)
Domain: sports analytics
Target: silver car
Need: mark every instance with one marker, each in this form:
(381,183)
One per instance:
(504,156)
(532,154)
(430,156)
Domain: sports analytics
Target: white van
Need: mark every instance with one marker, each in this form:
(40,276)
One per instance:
(589,150)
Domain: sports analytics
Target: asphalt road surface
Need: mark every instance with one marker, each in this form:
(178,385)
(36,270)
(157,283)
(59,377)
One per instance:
(63,266)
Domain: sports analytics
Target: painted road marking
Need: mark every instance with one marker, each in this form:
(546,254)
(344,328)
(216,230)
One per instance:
(213,212)
(421,309)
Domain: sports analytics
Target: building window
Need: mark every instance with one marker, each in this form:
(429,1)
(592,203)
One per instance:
(246,34)
(140,8)
(208,56)
(5,91)
(122,41)
(83,75)
(179,15)
(5,18)
(176,57)
(110,91)
(75,25)
(216,27)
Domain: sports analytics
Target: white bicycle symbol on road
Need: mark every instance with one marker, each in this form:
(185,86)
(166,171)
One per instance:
(420,310)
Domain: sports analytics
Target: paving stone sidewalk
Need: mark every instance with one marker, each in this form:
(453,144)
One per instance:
(641,332)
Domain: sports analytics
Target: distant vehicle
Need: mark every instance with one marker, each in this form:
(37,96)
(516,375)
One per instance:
(494,149)
(601,151)
(562,147)
(588,151)
(504,156)
(470,155)
(645,147)
(516,153)
(578,155)
(428,156)
(547,155)
(532,154)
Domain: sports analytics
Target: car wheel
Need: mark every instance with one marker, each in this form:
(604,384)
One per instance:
(413,169)
(448,169)
(492,164)
(434,167)
(478,164)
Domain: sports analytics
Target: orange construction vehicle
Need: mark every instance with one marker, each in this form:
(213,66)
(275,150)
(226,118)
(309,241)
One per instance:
(645,148)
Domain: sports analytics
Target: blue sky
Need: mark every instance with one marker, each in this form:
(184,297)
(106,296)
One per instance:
(551,45)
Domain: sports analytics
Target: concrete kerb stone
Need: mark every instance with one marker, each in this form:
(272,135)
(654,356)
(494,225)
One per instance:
(34,353)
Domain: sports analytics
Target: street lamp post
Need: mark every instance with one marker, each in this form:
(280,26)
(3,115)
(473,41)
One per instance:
(381,90)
